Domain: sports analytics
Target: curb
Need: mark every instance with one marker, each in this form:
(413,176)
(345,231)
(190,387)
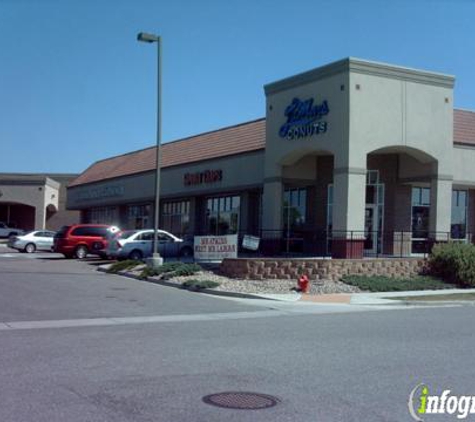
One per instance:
(178,286)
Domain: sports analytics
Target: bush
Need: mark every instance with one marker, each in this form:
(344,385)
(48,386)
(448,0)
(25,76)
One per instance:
(200,284)
(171,269)
(454,262)
(186,269)
(123,265)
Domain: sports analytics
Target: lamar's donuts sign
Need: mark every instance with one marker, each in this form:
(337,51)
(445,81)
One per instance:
(199,178)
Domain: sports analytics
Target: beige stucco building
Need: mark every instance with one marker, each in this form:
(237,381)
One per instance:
(35,201)
(353,158)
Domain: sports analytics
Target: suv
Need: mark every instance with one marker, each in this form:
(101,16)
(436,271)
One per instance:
(81,239)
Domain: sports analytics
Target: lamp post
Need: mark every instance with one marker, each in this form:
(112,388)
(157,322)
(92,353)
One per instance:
(156,259)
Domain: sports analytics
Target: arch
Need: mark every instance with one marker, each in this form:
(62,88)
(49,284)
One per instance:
(418,154)
(16,214)
(294,156)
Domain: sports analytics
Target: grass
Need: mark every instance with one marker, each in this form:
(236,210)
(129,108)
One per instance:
(388,284)
(438,298)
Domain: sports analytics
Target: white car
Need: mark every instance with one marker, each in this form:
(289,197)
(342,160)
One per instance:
(137,244)
(38,240)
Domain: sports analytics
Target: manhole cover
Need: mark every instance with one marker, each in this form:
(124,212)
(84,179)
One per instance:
(241,400)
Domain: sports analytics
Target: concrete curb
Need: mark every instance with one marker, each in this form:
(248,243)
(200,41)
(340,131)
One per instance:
(178,286)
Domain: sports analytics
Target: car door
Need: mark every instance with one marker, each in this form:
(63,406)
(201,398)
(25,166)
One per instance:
(40,240)
(166,245)
(145,241)
(48,240)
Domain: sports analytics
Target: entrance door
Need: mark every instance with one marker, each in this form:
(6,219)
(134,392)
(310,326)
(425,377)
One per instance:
(371,229)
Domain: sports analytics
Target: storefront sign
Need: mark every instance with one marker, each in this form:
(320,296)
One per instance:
(101,193)
(304,119)
(213,248)
(250,242)
(208,176)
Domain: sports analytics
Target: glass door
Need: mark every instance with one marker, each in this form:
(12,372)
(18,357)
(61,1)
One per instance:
(371,229)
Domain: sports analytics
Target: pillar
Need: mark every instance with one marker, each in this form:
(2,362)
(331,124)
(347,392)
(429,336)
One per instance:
(349,198)
(440,208)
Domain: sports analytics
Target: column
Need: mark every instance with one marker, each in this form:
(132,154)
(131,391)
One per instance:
(349,198)
(440,208)
(272,216)
(40,217)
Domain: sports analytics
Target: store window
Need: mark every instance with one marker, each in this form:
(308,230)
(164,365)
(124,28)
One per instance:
(458,228)
(294,209)
(139,216)
(103,215)
(176,217)
(420,212)
(222,215)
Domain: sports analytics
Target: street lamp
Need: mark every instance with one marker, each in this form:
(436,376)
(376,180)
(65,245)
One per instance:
(156,259)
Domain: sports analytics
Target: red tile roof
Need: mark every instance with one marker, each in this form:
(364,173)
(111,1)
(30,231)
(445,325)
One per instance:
(232,140)
(464,127)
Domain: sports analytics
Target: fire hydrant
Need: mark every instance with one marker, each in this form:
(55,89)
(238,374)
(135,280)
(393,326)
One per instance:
(304,284)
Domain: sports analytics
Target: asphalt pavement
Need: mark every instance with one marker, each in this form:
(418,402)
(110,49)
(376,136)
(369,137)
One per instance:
(151,353)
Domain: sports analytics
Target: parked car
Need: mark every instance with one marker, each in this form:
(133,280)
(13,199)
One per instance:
(38,240)
(6,231)
(79,240)
(137,244)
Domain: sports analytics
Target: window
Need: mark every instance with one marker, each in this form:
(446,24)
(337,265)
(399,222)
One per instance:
(90,232)
(295,209)
(458,227)
(222,215)
(138,216)
(176,217)
(103,215)
(420,212)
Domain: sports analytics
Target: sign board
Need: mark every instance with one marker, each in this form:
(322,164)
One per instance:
(214,248)
(250,242)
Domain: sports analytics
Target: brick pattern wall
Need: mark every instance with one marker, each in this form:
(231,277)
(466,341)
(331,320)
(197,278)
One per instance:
(319,269)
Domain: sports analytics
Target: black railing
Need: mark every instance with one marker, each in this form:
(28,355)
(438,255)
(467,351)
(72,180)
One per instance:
(344,244)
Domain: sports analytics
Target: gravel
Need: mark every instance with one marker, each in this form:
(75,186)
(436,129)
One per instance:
(257,286)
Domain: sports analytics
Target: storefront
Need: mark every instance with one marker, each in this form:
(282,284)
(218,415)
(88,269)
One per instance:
(353,158)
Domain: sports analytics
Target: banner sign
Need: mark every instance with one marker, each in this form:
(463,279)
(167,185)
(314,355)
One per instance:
(250,242)
(214,248)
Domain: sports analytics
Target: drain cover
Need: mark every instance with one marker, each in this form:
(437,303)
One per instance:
(241,400)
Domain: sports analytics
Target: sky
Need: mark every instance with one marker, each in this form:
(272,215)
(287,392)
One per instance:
(77,87)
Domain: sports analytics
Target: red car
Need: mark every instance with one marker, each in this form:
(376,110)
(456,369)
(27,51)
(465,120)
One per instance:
(80,240)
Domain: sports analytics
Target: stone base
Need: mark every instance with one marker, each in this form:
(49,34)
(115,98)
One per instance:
(347,248)
(154,262)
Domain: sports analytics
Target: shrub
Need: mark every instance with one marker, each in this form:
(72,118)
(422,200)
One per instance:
(123,265)
(171,269)
(454,262)
(200,284)
(186,269)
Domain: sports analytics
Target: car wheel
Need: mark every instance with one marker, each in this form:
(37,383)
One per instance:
(136,255)
(81,252)
(30,248)
(186,252)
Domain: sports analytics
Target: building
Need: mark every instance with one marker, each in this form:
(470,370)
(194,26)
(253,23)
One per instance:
(353,158)
(35,201)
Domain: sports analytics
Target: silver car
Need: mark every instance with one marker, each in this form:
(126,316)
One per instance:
(38,240)
(137,244)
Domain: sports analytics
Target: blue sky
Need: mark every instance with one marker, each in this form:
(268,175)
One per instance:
(76,86)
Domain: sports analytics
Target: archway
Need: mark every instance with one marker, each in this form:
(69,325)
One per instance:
(17,215)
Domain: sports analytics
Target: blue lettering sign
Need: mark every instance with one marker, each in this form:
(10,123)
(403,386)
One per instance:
(302,119)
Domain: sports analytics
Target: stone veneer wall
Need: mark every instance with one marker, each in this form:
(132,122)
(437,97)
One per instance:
(319,269)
